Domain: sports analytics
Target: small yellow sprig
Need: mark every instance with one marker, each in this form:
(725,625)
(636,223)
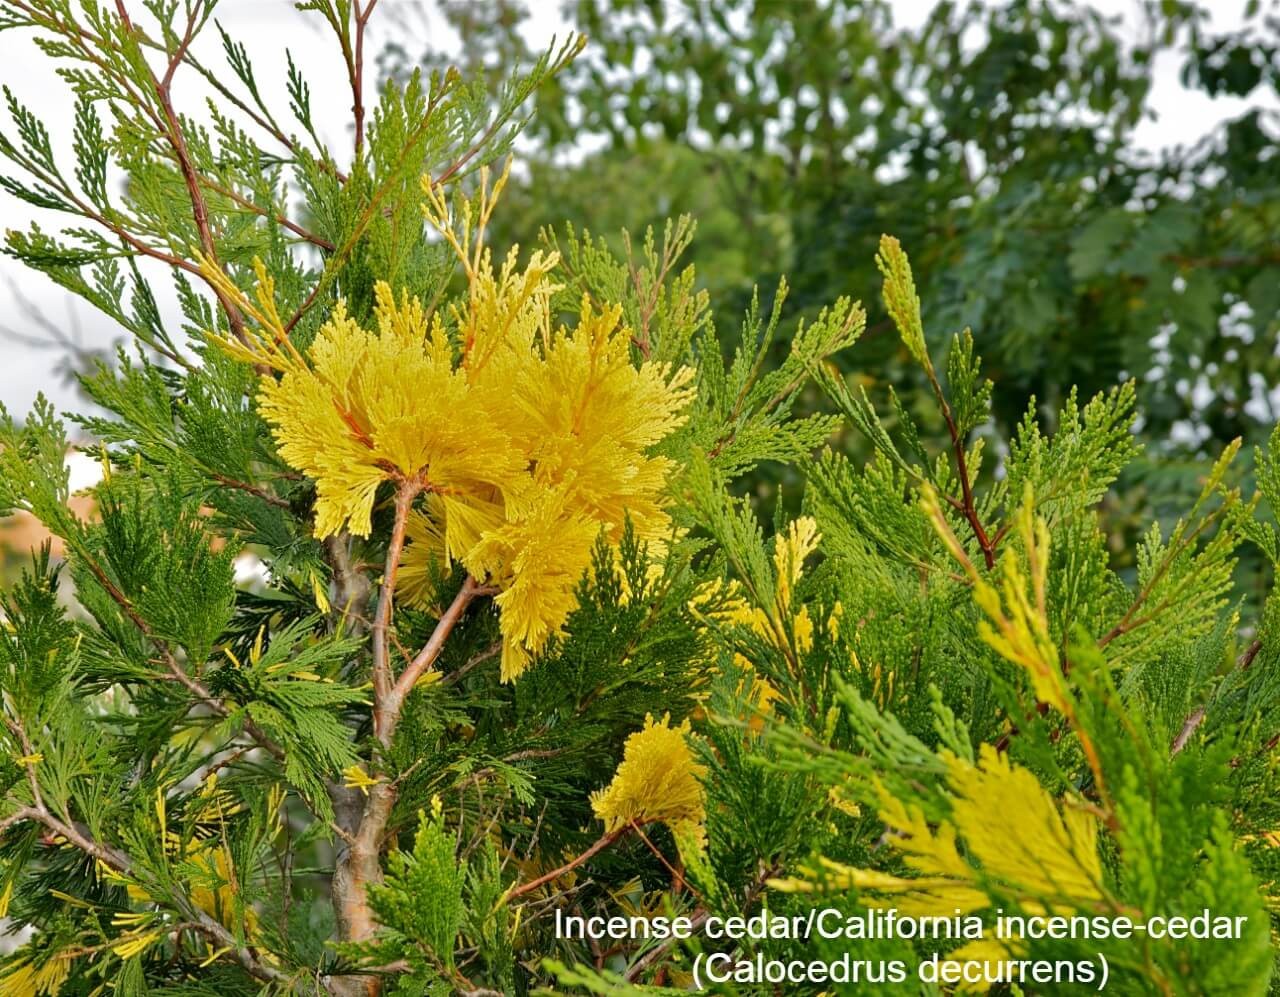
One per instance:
(355,777)
(657,780)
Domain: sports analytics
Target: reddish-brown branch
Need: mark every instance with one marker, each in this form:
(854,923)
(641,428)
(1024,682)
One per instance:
(359,864)
(479,658)
(467,156)
(599,845)
(356,70)
(969,506)
(678,882)
(370,211)
(180,52)
(383,679)
(177,140)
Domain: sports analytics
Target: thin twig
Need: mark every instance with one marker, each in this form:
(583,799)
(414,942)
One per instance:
(969,506)
(599,845)
(1196,717)
(697,919)
(479,658)
(278,217)
(252,489)
(177,140)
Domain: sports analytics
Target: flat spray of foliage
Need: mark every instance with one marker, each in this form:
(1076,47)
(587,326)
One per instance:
(522,647)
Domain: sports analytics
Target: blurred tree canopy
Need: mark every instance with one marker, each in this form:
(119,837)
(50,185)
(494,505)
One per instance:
(997,140)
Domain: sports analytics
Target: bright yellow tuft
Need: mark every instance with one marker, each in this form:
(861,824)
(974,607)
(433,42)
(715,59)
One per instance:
(527,442)
(355,777)
(370,407)
(658,780)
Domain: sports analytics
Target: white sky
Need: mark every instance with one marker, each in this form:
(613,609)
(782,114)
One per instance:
(267,27)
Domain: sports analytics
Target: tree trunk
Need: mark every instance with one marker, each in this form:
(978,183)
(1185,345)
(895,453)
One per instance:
(359,864)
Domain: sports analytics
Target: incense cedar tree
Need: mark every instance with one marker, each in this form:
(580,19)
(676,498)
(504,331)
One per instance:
(500,513)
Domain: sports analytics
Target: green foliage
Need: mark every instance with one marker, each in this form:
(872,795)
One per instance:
(420,904)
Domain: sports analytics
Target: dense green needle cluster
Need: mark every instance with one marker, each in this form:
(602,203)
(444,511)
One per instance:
(935,688)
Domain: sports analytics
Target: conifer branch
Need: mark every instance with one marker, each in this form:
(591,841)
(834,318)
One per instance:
(176,671)
(82,207)
(351,586)
(678,881)
(261,116)
(477,659)
(968,505)
(80,837)
(119,861)
(599,845)
(360,863)
(696,920)
(385,711)
(339,258)
(264,120)
(177,140)
(17,817)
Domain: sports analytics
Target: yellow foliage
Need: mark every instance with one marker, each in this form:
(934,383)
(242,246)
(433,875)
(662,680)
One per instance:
(135,943)
(789,552)
(657,780)
(369,407)
(1016,839)
(527,442)
(1053,852)
(26,979)
(355,777)
(1015,836)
